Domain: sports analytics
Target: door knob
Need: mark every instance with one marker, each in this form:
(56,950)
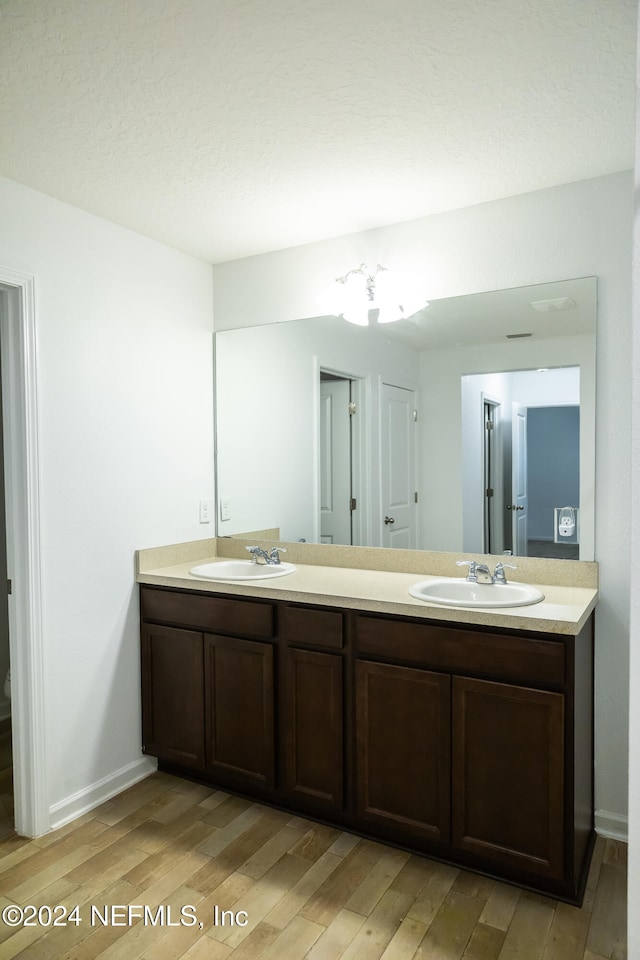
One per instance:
(389,520)
(513,506)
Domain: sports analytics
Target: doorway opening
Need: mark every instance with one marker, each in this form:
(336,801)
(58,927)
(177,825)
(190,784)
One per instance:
(521,461)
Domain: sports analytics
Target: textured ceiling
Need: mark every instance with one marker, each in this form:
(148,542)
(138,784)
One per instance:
(232,128)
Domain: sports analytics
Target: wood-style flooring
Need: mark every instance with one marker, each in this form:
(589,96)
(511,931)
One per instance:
(293,888)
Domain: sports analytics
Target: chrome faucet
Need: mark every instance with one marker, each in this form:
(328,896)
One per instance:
(483,574)
(272,557)
(480,573)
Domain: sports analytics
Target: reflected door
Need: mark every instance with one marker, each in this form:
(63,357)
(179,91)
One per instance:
(398,458)
(335,461)
(518,505)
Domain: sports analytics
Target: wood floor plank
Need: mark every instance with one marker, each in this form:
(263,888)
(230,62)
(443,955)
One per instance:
(433,893)
(232,828)
(451,929)
(294,942)
(609,915)
(222,814)
(263,896)
(337,936)
(237,851)
(58,941)
(568,934)
(315,841)
(413,875)
(270,852)
(500,907)
(485,943)
(378,930)
(254,945)
(344,844)
(405,940)
(310,891)
(365,897)
(293,902)
(527,934)
(332,895)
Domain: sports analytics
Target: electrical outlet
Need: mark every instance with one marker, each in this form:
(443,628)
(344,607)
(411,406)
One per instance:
(225,509)
(205,511)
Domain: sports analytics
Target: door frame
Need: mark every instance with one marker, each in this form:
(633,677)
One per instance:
(22,495)
(497,524)
(360,451)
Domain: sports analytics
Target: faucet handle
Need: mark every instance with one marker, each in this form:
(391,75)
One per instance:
(274,554)
(472,568)
(499,575)
(256,552)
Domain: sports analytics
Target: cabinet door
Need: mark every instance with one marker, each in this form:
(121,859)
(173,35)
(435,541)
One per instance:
(507,774)
(173,695)
(239,709)
(403,748)
(312,726)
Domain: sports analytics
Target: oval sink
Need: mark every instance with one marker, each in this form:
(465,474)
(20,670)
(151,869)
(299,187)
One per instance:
(454,592)
(241,570)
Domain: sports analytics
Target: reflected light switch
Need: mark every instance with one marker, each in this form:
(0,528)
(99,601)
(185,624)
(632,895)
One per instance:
(225,509)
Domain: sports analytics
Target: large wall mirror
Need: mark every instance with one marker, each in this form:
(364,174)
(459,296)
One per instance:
(469,427)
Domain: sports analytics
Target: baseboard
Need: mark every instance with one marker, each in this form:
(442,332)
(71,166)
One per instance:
(78,803)
(612,825)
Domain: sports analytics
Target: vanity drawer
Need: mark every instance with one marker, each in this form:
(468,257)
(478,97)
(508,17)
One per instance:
(248,618)
(526,660)
(312,626)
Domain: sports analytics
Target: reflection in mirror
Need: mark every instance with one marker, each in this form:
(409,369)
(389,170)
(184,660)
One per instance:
(377,436)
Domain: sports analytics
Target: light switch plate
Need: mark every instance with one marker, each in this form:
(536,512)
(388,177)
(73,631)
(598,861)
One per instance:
(205,511)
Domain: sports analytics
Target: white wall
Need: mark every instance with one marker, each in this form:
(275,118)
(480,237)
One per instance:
(576,230)
(124,360)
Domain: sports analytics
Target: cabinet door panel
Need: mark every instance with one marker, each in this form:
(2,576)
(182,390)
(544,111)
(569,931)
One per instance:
(239,708)
(403,748)
(173,695)
(312,735)
(508,781)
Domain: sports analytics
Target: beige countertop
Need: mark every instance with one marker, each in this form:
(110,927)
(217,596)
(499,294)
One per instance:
(564,610)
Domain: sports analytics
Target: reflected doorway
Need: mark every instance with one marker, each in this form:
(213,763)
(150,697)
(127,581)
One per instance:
(341,453)
(521,461)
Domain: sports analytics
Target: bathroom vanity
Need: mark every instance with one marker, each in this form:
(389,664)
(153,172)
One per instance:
(463,736)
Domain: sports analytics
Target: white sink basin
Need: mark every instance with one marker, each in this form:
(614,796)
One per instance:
(454,592)
(241,570)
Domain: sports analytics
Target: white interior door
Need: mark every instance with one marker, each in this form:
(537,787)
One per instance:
(335,462)
(398,459)
(518,505)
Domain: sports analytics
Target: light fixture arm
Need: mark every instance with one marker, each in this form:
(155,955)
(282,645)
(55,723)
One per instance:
(369,278)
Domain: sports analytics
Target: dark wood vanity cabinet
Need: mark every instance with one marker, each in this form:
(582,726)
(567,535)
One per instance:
(470,744)
(507,780)
(312,707)
(239,716)
(403,749)
(173,695)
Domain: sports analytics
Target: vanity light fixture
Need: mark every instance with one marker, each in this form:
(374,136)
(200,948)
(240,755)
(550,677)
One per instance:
(378,294)
(551,306)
